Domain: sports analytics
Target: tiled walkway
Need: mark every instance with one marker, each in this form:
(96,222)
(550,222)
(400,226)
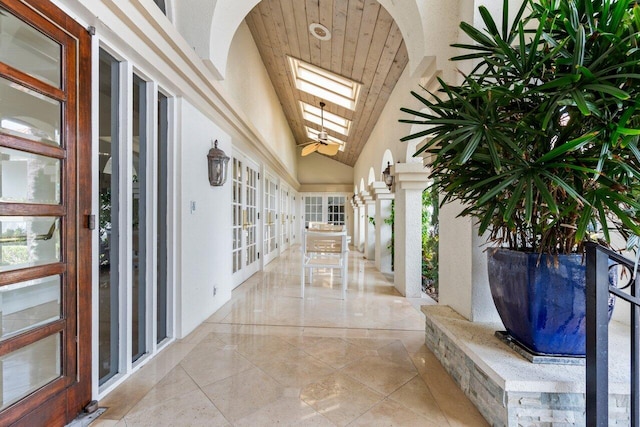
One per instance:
(269,358)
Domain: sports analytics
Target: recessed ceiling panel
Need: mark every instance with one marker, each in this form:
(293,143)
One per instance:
(353,72)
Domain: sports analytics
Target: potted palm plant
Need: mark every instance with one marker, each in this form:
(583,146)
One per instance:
(540,144)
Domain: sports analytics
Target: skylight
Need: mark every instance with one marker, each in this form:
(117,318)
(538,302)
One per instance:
(331,121)
(325,84)
(313,134)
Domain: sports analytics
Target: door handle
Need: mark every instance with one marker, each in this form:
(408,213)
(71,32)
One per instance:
(245,223)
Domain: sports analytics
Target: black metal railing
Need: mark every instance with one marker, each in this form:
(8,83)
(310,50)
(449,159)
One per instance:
(599,287)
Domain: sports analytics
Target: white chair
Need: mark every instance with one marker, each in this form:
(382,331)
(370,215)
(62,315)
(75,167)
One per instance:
(324,249)
(323,226)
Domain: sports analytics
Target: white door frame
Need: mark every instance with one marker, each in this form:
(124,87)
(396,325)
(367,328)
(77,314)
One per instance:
(284,217)
(247,232)
(269,218)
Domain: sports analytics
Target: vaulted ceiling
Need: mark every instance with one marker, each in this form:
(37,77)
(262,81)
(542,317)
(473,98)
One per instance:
(366,46)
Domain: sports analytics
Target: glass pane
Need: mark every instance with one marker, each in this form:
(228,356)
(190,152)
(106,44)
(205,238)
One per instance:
(139,218)
(25,48)
(28,241)
(28,304)
(161,5)
(109,229)
(28,178)
(30,114)
(26,370)
(162,237)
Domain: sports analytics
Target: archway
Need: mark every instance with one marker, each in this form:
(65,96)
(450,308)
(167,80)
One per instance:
(372,176)
(220,27)
(387,159)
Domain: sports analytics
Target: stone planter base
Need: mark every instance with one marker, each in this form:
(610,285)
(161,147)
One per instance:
(511,391)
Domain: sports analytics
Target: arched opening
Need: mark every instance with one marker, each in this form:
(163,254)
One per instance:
(387,159)
(372,176)
(430,223)
(228,14)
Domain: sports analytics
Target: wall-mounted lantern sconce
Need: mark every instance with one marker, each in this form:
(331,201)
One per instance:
(217,160)
(387,177)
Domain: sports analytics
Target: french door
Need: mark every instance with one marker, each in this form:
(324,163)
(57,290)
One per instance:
(45,199)
(284,218)
(246,184)
(270,209)
(292,219)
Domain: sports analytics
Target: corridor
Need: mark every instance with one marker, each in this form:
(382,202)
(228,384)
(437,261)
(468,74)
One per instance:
(269,358)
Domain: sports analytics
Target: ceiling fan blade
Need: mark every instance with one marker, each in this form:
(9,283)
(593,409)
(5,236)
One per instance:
(310,149)
(304,144)
(328,149)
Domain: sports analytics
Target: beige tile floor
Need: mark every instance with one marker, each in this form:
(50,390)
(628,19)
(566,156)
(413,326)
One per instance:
(270,358)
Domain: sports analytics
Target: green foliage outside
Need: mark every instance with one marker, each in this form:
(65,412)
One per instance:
(430,241)
(105,224)
(390,221)
(541,140)
(15,254)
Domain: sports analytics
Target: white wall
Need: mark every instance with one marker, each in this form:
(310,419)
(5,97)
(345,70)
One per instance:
(255,96)
(204,236)
(318,169)
(193,19)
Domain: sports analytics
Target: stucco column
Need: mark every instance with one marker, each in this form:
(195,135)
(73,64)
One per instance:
(410,181)
(358,226)
(356,230)
(369,229)
(383,198)
(361,228)
(462,271)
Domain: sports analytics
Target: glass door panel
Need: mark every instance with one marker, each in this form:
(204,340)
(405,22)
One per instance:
(28,178)
(28,50)
(251,209)
(335,210)
(292,219)
(28,242)
(312,210)
(109,219)
(236,206)
(270,210)
(284,218)
(27,305)
(139,219)
(29,368)
(162,232)
(30,115)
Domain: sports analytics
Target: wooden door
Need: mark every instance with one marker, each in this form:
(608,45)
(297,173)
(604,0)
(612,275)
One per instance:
(45,243)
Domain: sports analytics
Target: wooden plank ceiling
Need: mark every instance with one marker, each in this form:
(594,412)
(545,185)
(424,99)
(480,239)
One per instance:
(366,46)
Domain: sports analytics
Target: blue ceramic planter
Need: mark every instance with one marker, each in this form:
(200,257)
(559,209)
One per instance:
(542,304)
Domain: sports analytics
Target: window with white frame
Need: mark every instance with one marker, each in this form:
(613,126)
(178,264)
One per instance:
(325,208)
(335,210)
(312,210)
(133,200)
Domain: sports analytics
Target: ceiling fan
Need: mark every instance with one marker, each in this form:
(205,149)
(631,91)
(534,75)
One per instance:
(322,145)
